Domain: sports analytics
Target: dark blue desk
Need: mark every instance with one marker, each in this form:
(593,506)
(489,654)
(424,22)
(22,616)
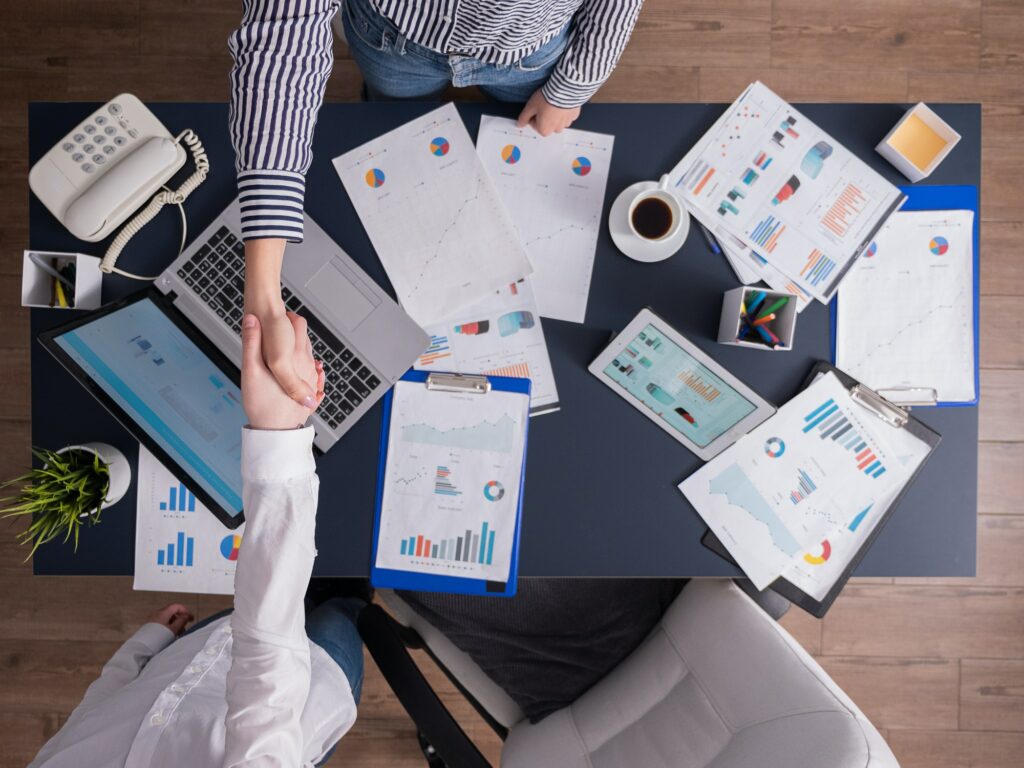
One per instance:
(601,496)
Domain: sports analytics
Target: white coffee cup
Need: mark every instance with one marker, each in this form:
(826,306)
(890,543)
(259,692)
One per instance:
(665,195)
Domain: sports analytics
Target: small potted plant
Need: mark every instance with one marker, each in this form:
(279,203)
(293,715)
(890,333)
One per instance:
(68,491)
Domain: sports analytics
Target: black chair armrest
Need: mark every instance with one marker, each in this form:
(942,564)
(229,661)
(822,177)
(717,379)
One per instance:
(382,636)
(771,602)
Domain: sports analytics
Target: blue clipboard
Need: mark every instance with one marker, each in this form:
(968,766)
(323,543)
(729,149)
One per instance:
(939,198)
(425,582)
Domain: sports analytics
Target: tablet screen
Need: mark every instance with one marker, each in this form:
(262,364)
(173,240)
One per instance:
(171,389)
(678,388)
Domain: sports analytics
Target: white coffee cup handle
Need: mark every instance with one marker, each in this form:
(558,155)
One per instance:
(663,183)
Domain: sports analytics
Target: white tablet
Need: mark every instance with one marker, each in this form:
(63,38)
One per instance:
(678,387)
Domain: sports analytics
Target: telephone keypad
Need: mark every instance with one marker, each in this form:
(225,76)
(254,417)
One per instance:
(105,141)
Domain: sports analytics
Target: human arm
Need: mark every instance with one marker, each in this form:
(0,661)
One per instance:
(600,31)
(130,659)
(282,59)
(268,682)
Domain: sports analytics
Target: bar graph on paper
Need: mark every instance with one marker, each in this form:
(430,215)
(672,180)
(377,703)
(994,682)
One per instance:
(470,547)
(179,499)
(832,424)
(179,553)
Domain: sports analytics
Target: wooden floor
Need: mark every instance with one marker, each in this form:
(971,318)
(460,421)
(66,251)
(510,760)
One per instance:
(938,665)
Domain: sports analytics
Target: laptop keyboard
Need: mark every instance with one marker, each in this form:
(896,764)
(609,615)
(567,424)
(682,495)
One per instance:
(216,274)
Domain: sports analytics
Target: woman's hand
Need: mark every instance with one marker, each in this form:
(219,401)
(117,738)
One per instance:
(546,118)
(266,404)
(175,617)
(263,259)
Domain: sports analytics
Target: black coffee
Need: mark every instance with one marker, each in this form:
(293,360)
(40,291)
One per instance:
(652,218)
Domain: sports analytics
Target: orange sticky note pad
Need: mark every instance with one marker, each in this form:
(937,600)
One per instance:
(918,142)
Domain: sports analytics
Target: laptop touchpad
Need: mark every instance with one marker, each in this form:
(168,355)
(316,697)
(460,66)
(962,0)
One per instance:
(339,292)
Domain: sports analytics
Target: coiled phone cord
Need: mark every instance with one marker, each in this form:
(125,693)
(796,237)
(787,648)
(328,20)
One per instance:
(159,200)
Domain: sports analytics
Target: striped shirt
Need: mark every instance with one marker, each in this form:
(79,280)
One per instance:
(282,53)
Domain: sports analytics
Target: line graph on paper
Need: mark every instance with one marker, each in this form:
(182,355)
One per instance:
(919,333)
(433,215)
(554,193)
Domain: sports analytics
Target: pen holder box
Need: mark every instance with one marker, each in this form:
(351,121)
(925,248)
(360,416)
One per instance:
(783,326)
(37,283)
(918,142)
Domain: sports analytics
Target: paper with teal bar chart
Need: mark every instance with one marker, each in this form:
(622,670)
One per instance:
(775,495)
(179,545)
(452,482)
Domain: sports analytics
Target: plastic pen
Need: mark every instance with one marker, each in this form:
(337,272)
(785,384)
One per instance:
(763,319)
(712,242)
(758,298)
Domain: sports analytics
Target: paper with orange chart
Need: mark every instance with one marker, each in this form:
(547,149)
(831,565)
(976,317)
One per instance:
(433,215)
(767,175)
(501,335)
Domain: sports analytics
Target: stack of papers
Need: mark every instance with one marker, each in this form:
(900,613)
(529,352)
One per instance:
(785,199)
(818,474)
(480,242)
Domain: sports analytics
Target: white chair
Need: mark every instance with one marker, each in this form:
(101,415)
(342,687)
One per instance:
(716,684)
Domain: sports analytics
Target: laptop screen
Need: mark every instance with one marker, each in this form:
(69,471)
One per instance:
(172,390)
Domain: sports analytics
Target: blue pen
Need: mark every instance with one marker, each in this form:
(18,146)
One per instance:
(712,242)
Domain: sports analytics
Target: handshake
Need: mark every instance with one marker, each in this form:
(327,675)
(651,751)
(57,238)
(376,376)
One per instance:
(266,404)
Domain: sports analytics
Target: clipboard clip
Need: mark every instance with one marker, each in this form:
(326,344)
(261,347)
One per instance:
(891,414)
(909,396)
(466,384)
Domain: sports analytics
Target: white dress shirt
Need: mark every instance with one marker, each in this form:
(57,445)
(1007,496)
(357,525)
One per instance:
(249,690)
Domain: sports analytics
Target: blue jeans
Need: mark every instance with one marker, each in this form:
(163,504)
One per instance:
(395,68)
(332,626)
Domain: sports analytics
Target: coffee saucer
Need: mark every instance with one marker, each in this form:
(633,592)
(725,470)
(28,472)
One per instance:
(635,247)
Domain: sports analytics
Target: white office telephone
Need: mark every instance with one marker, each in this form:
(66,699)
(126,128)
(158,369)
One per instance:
(108,166)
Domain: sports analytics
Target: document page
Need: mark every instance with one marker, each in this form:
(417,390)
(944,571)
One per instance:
(499,336)
(433,215)
(179,545)
(553,188)
(788,190)
(905,315)
(452,482)
(804,473)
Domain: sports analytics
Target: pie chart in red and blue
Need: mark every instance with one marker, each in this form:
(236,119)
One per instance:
(229,546)
(872,250)
(439,146)
(510,154)
(938,245)
(375,177)
(581,166)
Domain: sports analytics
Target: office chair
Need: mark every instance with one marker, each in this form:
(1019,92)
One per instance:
(716,684)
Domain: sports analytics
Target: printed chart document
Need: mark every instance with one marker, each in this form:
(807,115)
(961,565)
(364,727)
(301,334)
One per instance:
(816,570)
(905,315)
(499,336)
(553,188)
(179,545)
(433,215)
(804,473)
(452,482)
(788,190)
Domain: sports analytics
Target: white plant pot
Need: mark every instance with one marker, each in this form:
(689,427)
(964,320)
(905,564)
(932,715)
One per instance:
(120,469)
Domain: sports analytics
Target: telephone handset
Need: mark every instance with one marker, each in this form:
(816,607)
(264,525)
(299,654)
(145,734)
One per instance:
(108,166)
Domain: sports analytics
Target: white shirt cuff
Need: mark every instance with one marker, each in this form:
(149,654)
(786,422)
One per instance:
(271,455)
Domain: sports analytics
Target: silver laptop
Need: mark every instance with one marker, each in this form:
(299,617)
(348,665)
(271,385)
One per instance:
(364,338)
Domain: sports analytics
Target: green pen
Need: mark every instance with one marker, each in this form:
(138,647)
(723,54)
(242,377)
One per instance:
(780,303)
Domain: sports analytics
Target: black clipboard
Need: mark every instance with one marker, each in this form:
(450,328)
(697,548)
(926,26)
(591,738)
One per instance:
(898,418)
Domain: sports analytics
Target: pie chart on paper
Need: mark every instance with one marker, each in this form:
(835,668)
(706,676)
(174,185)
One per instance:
(510,154)
(439,146)
(581,166)
(230,545)
(938,245)
(375,177)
